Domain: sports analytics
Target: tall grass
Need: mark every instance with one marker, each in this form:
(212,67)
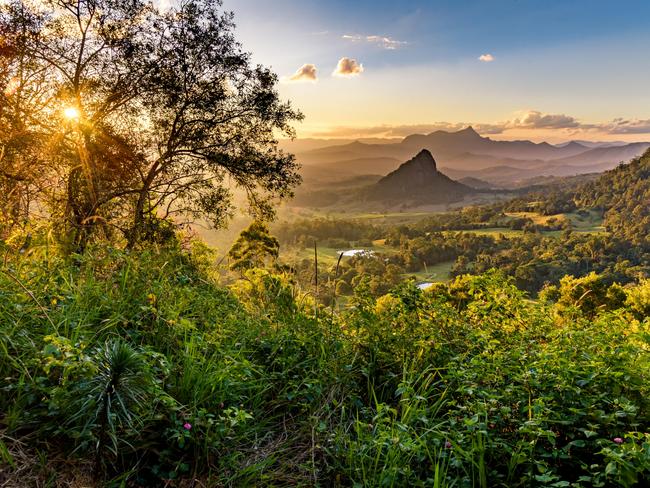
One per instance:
(143,361)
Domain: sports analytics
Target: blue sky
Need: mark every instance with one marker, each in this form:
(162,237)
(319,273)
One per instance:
(586,60)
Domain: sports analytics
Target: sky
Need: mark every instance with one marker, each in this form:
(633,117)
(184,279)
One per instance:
(541,70)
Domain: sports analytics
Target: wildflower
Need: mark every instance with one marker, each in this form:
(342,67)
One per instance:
(447,445)
(187,426)
(618,440)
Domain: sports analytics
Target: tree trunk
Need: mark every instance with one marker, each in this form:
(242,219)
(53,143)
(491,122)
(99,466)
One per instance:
(138,213)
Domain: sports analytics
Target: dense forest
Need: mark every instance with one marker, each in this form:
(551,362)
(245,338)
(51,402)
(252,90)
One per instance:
(540,255)
(132,354)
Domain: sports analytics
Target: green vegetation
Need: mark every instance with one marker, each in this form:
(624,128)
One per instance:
(141,368)
(132,355)
(537,248)
(437,272)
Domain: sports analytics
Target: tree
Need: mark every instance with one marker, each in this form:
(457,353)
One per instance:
(151,114)
(254,248)
(590,294)
(20,96)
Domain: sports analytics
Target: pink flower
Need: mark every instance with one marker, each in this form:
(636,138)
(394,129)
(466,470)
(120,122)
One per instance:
(618,440)
(448,445)
(187,426)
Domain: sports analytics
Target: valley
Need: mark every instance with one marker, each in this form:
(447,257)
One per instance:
(465,153)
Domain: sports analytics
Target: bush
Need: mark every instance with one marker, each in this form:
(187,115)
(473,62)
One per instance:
(465,384)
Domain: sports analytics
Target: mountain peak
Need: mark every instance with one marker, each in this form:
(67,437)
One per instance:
(469,132)
(423,160)
(426,154)
(419,179)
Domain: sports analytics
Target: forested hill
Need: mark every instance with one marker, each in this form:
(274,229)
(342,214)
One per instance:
(626,182)
(623,194)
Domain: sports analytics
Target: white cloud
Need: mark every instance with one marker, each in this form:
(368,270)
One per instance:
(384,42)
(347,67)
(486,58)
(307,72)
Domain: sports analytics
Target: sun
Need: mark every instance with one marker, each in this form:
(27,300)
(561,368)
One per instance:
(71,113)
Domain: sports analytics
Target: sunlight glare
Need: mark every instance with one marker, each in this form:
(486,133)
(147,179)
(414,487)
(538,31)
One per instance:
(71,113)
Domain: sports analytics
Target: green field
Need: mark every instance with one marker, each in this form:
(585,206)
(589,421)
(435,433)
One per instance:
(435,273)
(590,222)
(490,231)
(381,218)
(328,256)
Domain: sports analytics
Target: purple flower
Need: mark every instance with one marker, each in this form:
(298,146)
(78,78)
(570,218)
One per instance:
(618,440)
(447,444)
(187,426)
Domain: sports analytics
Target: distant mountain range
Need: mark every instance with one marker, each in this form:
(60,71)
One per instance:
(465,154)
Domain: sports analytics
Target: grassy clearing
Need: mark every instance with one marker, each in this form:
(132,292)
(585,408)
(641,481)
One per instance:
(328,256)
(490,231)
(383,218)
(435,274)
(536,217)
(591,222)
(585,221)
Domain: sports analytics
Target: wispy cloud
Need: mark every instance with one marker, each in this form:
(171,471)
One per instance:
(486,58)
(347,67)
(384,42)
(307,72)
(625,126)
(534,119)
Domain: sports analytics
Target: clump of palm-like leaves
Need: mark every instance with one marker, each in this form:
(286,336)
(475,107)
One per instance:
(111,400)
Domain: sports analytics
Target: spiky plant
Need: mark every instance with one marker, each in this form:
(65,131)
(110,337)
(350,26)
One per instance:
(111,398)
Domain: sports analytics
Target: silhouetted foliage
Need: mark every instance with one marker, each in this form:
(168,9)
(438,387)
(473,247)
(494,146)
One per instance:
(254,248)
(136,113)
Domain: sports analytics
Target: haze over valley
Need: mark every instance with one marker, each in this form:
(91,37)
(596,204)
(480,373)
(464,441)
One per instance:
(464,154)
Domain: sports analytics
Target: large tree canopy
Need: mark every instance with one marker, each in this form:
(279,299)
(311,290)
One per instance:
(116,114)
